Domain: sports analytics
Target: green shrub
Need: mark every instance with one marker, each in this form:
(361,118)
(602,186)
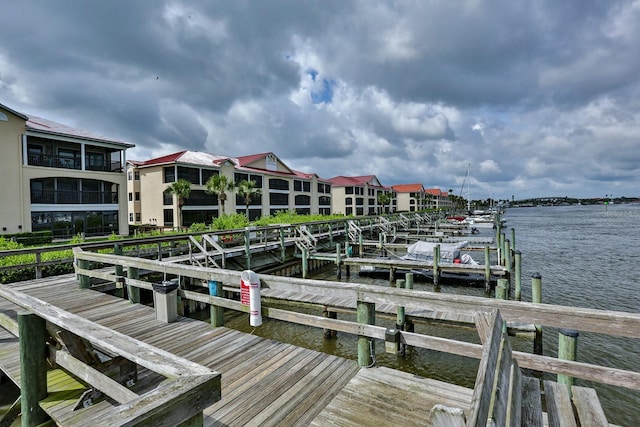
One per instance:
(198,227)
(230,222)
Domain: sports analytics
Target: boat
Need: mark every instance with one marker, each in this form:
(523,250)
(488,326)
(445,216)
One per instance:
(422,251)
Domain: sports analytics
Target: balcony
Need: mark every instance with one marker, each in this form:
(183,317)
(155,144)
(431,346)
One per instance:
(66,162)
(65,197)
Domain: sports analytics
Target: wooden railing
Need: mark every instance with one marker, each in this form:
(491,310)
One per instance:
(165,244)
(366,297)
(187,389)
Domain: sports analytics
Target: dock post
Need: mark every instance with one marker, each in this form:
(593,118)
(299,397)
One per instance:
(507,265)
(305,262)
(408,277)
(501,289)
(117,250)
(133,291)
(536,288)
(329,333)
(536,297)
(216,313)
(283,247)
(338,261)
(360,244)
(487,270)
(85,281)
(33,367)
(501,249)
(513,239)
(567,350)
(518,275)
(436,270)
(247,246)
(400,317)
(366,315)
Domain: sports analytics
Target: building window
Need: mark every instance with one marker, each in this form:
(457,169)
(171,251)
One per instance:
(207,174)
(138,217)
(190,174)
(278,199)
(168,217)
(169,174)
(136,175)
(129,176)
(359,201)
(137,196)
(130,196)
(348,201)
(167,198)
(278,184)
(348,190)
(303,200)
(130,217)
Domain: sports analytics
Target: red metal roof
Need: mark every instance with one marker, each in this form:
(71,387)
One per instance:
(408,188)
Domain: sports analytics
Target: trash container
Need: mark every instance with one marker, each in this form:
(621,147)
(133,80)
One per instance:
(165,300)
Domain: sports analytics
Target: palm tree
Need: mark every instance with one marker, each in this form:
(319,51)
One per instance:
(429,199)
(247,189)
(219,185)
(384,199)
(181,188)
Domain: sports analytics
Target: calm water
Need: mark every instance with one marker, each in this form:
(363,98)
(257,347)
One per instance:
(587,257)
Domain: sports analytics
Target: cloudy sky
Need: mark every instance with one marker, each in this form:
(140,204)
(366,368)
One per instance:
(540,98)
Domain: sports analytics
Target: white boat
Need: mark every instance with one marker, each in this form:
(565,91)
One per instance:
(423,251)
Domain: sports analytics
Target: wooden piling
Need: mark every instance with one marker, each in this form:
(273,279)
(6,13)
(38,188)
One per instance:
(408,277)
(501,289)
(507,265)
(216,313)
(487,270)
(567,350)
(517,275)
(85,281)
(305,262)
(329,333)
(33,367)
(400,317)
(366,314)
(338,262)
(133,291)
(247,246)
(436,270)
(536,297)
(117,250)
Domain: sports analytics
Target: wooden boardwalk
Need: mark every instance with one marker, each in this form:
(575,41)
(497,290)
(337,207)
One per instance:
(264,382)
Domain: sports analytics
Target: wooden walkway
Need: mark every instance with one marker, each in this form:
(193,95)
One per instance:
(264,382)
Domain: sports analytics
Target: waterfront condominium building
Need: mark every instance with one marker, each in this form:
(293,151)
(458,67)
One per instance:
(280,188)
(361,195)
(58,178)
(411,197)
(438,199)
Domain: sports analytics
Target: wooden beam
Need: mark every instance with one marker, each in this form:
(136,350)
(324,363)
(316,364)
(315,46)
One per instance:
(89,375)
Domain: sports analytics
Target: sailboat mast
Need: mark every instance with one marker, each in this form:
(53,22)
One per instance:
(468,188)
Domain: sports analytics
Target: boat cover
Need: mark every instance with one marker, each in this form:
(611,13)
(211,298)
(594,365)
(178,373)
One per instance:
(422,250)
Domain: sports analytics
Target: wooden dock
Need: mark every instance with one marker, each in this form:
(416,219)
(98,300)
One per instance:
(264,382)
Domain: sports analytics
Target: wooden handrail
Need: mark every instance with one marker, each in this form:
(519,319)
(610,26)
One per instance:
(592,320)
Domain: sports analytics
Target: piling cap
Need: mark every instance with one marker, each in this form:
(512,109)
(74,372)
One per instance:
(571,333)
(536,276)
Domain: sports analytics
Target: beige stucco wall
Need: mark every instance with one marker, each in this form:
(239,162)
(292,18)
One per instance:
(12,202)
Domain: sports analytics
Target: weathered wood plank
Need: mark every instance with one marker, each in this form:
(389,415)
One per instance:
(531,414)
(482,391)
(558,405)
(588,407)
